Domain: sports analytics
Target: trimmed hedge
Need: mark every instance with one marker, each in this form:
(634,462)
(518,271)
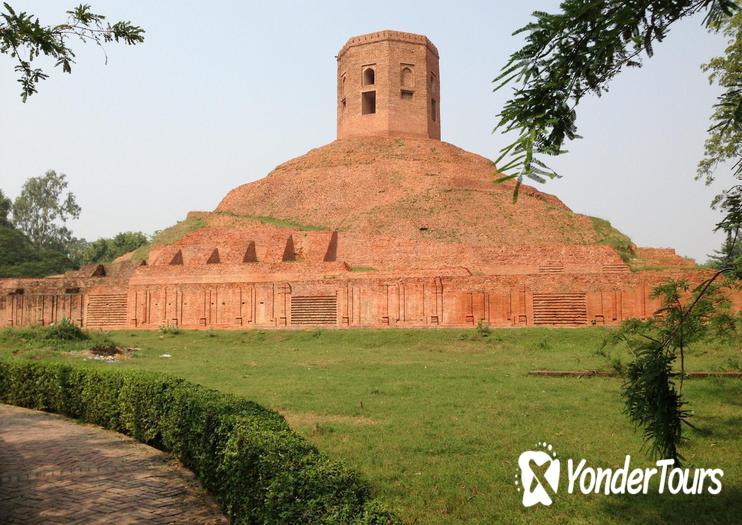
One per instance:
(259,469)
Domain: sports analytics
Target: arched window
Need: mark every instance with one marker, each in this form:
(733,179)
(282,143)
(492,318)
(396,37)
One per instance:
(408,80)
(369,76)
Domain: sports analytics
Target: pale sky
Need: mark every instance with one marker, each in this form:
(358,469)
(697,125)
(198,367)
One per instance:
(223,91)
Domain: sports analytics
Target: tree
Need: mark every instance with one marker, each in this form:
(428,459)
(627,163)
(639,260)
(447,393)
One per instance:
(5,206)
(575,53)
(24,38)
(43,208)
(729,257)
(724,143)
(106,250)
(20,258)
(653,386)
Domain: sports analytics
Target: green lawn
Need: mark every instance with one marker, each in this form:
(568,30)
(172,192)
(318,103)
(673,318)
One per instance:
(436,419)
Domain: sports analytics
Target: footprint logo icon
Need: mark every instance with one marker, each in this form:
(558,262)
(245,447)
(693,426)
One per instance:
(539,475)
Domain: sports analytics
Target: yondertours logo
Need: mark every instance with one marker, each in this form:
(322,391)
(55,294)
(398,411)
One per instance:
(540,475)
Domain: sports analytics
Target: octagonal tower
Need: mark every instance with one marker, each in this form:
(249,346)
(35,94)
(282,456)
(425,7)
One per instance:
(388,84)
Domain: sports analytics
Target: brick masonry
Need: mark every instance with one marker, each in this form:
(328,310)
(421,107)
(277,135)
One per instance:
(386,226)
(56,471)
(399,73)
(231,296)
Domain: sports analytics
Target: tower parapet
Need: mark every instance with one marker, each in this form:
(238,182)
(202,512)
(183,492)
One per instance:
(388,84)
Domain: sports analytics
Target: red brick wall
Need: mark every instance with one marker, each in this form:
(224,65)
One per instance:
(402,109)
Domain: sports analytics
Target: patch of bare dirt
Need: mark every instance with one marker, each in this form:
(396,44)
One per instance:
(107,353)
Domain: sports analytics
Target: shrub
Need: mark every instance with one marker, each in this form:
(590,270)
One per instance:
(56,334)
(65,330)
(169,329)
(483,328)
(246,455)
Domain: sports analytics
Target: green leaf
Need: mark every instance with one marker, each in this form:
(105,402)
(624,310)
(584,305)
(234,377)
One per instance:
(505,179)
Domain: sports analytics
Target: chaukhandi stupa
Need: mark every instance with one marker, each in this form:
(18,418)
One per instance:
(386,226)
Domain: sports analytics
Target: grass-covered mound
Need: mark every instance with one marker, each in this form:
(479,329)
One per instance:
(246,455)
(610,236)
(167,236)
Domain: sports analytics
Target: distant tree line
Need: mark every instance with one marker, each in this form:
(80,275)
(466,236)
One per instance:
(35,240)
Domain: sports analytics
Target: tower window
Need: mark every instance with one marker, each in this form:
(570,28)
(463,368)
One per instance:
(407,77)
(368,102)
(433,109)
(407,94)
(369,76)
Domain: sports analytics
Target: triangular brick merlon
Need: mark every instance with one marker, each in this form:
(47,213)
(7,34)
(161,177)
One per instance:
(214,257)
(250,254)
(177,259)
(332,249)
(288,252)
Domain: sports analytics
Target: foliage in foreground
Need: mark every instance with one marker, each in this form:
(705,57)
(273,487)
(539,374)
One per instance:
(724,141)
(25,39)
(729,256)
(653,398)
(258,468)
(577,52)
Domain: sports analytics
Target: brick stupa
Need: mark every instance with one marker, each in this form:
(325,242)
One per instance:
(386,226)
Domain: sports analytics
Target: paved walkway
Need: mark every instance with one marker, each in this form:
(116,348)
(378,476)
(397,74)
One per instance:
(54,470)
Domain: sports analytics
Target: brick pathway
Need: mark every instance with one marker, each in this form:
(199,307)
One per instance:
(56,471)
